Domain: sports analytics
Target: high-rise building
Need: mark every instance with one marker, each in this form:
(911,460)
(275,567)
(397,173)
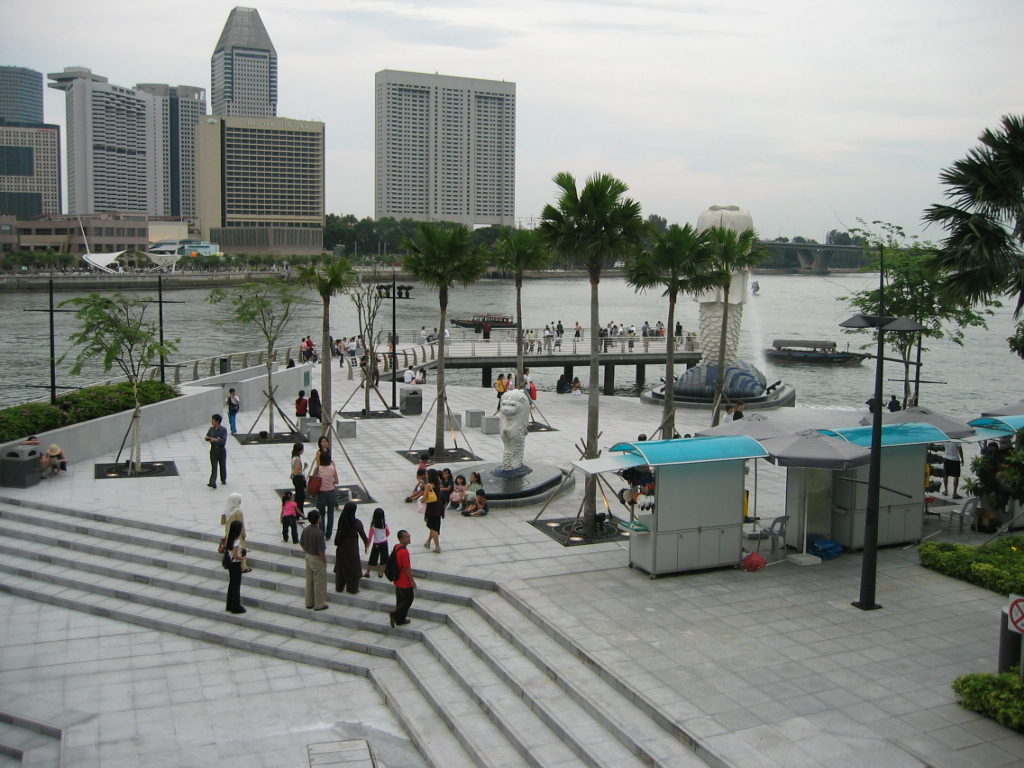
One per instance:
(21,95)
(29,149)
(260,184)
(445,148)
(175,112)
(243,69)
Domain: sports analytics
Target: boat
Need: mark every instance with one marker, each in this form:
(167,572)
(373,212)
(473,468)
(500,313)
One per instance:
(476,322)
(811,351)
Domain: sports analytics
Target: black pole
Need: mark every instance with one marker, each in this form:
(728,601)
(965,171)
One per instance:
(160,300)
(394,343)
(917,375)
(869,561)
(53,353)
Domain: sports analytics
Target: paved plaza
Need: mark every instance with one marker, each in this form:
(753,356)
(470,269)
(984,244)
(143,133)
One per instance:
(773,668)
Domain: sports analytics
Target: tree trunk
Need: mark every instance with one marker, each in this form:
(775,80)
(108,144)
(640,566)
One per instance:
(593,404)
(442,410)
(720,378)
(668,419)
(519,330)
(137,438)
(327,414)
(270,389)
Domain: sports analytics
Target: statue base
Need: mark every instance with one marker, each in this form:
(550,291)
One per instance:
(537,483)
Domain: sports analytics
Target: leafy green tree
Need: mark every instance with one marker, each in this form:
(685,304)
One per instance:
(679,260)
(914,290)
(521,250)
(596,225)
(731,252)
(368,300)
(981,257)
(114,329)
(269,306)
(328,280)
(443,256)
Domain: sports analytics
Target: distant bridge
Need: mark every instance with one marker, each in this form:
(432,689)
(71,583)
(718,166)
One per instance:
(813,257)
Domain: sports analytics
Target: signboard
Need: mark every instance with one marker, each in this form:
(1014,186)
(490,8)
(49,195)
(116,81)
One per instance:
(1015,613)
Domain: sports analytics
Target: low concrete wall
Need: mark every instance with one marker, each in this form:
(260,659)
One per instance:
(193,408)
(251,383)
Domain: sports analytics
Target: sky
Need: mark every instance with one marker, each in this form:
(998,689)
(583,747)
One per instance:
(810,114)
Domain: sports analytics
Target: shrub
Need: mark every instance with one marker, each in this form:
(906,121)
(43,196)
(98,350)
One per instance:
(1000,697)
(997,566)
(19,421)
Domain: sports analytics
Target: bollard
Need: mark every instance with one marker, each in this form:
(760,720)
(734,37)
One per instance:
(1009,645)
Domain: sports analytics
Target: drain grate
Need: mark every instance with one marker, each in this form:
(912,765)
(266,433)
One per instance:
(568,531)
(124,470)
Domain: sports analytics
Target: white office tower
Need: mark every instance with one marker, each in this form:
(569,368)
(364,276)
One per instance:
(243,69)
(173,114)
(445,148)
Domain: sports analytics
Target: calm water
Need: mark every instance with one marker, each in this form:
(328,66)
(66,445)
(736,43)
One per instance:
(982,373)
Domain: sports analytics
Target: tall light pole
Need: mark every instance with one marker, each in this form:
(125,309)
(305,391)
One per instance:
(881,324)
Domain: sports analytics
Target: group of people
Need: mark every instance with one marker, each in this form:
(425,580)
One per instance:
(437,492)
(734,412)
(413,376)
(53,460)
(507,383)
(310,406)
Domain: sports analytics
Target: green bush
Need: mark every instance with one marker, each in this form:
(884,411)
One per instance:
(19,421)
(997,566)
(1000,697)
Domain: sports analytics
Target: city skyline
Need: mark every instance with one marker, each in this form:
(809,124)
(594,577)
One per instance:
(809,116)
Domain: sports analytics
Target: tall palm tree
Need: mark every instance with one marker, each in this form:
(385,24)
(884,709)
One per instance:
(442,256)
(596,226)
(981,257)
(680,261)
(731,252)
(333,276)
(520,250)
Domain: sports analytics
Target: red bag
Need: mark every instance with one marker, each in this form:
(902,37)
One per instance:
(313,486)
(533,391)
(754,561)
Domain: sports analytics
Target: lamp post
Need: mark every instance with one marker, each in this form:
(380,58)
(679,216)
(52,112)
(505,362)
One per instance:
(881,324)
(384,289)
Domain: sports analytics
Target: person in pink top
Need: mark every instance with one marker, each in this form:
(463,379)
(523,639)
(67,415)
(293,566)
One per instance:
(377,543)
(289,518)
(327,498)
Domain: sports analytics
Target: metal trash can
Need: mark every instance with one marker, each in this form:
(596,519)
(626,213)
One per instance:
(19,466)
(410,403)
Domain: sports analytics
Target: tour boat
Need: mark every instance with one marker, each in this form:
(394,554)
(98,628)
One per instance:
(476,322)
(811,351)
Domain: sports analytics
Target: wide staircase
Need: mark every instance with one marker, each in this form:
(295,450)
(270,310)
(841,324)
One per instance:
(510,688)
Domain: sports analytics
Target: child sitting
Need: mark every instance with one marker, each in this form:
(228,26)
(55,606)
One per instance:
(458,496)
(477,507)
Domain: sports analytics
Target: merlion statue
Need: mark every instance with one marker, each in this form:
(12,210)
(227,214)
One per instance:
(515,417)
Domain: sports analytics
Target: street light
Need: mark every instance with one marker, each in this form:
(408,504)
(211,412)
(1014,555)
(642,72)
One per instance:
(395,291)
(881,323)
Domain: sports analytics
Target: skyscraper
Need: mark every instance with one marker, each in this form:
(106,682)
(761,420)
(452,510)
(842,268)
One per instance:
(243,69)
(21,95)
(174,114)
(445,148)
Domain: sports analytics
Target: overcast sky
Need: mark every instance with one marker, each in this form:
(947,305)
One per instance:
(809,114)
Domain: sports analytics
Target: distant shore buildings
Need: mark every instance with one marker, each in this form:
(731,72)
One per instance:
(30,167)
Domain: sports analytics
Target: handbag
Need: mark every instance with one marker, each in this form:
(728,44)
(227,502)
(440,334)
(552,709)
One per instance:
(431,497)
(313,485)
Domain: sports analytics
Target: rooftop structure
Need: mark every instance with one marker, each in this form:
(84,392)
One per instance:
(243,69)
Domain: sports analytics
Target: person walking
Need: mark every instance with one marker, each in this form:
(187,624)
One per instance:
(378,543)
(289,518)
(234,405)
(952,461)
(434,510)
(405,584)
(347,567)
(234,553)
(298,470)
(314,547)
(327,497)
(499,387)
(217,437)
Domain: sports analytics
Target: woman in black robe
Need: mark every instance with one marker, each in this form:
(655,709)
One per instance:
(347,566)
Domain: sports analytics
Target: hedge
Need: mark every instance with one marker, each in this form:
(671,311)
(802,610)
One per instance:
(1000,697)
(997,566)
(85,404)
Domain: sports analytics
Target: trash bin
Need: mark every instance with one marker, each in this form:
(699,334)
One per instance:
(19,466)
(410,403)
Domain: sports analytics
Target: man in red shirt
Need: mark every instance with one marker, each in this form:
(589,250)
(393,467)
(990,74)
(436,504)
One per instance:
(405,584)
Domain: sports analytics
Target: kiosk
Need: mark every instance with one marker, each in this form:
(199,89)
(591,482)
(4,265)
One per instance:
(695,520)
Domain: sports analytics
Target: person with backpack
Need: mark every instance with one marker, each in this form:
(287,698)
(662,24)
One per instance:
(399,571)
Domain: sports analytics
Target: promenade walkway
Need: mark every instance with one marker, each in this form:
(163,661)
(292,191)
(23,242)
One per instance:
(723,668)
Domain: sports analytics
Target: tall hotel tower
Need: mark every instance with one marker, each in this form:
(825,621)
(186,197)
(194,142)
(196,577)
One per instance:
(243,70)
(445,148)
(29,149)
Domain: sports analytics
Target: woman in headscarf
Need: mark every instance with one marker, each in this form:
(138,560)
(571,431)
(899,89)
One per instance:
(233,512)
(347,567)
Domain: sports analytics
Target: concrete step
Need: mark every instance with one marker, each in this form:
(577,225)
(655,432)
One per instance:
(27,746)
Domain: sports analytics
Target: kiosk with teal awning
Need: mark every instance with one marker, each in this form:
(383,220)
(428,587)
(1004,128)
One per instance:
(697,517)
(902,484)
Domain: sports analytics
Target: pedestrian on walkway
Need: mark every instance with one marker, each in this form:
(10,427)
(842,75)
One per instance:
(347,566)
(314,406)
(378,543)
(233,512)
(217,437)
(234,554)
(314,547)
(234,405)
(298,476)
(289,518)
(433,510)
(405,584)
(327,497)
(952,461)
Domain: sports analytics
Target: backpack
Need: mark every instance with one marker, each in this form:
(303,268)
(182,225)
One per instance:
(391,569)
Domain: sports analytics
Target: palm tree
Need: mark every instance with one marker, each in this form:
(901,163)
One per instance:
(981,256)
(597,226)
(441,256)
(680,261)
(730,252)
(518,251)
(334,276)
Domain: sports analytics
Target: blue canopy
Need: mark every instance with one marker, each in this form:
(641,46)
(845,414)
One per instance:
(999,423)
(690,450)
(912,433)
